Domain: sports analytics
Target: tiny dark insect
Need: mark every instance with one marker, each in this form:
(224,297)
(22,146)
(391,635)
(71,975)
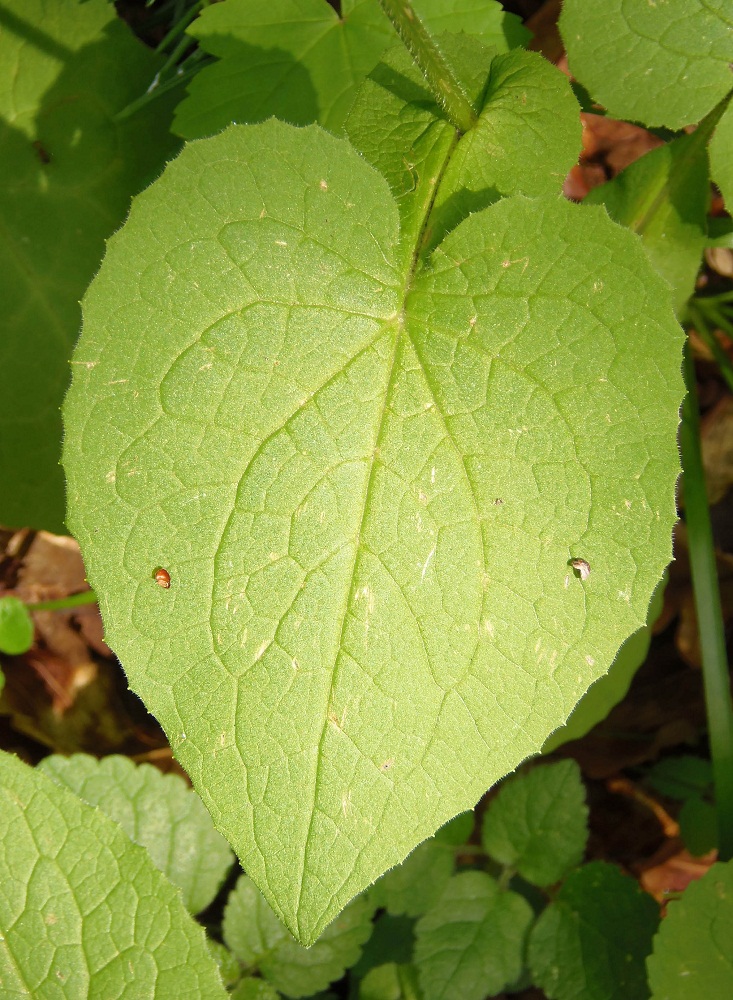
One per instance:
(43,155)
(162,577)
(582,566)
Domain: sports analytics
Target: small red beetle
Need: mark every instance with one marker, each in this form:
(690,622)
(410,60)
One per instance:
(162,577)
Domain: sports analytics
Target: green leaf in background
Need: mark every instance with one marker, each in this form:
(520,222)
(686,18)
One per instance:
(392,942)
(68,173)
(260,941)
(593,939)
(457,831)
(610,689)
(157,811)
(299,61)
(254,989)
(721,156)
(692,950)
(681,777)
(664,197)
(689,780)
(228,964)
(83,910)
(698,825)
(538,823)
(414,886)
(366,476)
(16,627)
(390,982)
(526,140)
(471,944)
(657,63)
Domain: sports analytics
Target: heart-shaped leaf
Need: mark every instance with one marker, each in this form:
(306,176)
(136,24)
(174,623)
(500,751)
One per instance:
(366,472)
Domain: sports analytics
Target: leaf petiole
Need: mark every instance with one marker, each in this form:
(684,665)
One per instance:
(441,79)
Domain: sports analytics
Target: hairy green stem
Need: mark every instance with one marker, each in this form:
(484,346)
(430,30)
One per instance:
(709,615)
(64,603)
(439,76)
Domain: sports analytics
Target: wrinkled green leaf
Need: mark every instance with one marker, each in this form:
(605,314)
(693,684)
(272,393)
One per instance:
(593,939)
(526,140)
(471,944)
(16,627)
(657,63)
(157,811)
(538,823)
(260,941)
(721,157)
(692,956)
(366,476)
(83,910)
(301,62)
(664,196)
(68,173)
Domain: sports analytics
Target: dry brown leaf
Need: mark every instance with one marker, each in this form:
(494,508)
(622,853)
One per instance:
(52,568)
(720,260)
(673,875)
(716,431)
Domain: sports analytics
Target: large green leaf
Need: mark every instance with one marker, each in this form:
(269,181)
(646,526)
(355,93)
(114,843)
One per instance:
(68,170)
(299,61)
(83,910)
(658,63)
(610,689)
(366,473)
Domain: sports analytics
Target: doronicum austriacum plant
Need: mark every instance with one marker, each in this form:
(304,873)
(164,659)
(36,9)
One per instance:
(371,449)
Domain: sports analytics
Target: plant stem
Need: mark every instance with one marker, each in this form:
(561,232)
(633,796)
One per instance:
(156,89)
(709,614)
(63,603)
(699,317)
(432,64)
(180,25)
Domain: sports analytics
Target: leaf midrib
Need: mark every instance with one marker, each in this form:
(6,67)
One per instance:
(401,338)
